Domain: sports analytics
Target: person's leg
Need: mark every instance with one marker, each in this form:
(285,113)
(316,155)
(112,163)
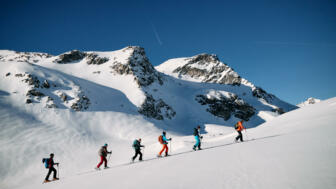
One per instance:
(105,161)
(140,155)
(241,136)
(49,172)
(166,147)
(101,161)
(55,172)
(163,148)
(237,138)
(136,154)
(197,142)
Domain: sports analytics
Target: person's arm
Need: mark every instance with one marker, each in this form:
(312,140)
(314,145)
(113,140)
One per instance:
(165,139)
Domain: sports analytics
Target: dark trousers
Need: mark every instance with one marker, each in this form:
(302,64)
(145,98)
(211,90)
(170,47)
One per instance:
(137,151)
(51,169)
(240,136)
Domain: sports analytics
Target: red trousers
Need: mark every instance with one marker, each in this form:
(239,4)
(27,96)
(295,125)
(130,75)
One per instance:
(102,159)
(164,147)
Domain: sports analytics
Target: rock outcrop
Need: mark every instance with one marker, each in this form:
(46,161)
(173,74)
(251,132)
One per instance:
(260,93)
(69,57)
(226,105)
(208,68)
(139,66)
(156,109)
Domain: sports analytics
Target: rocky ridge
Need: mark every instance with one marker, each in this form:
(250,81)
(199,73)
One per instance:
(207,68)
(204,68)
(53,94)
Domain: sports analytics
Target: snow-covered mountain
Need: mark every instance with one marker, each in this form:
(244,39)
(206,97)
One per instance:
(199,85)
(309,101)
(72,103)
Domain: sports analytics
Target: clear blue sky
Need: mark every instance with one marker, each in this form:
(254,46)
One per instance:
(286,47)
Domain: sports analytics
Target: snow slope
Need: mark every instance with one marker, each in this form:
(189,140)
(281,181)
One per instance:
(295,150)
(309,101)
(73,103)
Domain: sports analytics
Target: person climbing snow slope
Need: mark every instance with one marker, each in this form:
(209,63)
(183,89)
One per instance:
(164,141)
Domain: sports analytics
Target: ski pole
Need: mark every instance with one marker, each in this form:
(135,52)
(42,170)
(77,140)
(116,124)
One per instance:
(109,157)
(58,170)
(170,146)
(246,135)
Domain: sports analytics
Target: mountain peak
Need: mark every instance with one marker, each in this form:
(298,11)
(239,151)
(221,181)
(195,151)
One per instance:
(205,58)
(201,68)
(138,65)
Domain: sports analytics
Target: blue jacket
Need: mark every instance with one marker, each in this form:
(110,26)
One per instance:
(165,140)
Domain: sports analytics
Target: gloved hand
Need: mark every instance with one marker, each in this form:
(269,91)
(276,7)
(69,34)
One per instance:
(201,137)
(170,138)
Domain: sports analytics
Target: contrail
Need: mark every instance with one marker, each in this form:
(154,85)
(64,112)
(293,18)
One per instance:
(156,34)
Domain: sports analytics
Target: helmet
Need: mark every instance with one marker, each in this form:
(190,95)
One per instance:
(198,126)
(164,132)
(51,154)
(105,145)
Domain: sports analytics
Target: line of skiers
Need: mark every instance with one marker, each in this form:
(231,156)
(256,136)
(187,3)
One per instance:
(49,162)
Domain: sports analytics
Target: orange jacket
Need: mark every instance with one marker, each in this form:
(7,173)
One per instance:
(240,126)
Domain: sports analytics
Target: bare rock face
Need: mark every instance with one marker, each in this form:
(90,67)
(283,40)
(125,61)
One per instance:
(31,80)
(208,68)
(82,103)
(156,109)
(224,107)
(260,93)
(278,111)
(95,59)
(72,56)
(138,65)
(34,92)
(46,84)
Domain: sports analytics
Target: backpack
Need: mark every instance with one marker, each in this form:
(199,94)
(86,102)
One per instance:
(134,143)
(160,139)
(45,161)
(236,126)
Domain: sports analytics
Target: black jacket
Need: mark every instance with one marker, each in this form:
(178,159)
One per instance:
(196,133)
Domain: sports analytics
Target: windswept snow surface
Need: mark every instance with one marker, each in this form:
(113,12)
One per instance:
(295,150)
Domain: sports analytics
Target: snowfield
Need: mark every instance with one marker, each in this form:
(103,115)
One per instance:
(72,104)
(295,150)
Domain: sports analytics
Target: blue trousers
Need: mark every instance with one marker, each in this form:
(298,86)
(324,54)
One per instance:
(198,142)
